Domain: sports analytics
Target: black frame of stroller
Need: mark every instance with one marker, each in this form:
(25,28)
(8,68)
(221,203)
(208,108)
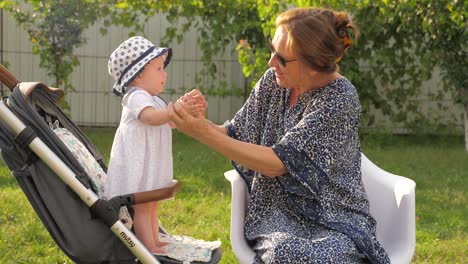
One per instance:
(107,211)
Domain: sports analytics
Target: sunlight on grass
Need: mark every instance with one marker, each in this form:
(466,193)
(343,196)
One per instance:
(438,165)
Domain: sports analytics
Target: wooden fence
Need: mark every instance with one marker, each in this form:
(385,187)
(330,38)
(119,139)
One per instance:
(93,104)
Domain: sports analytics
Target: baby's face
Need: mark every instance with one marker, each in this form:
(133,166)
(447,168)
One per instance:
(153,78)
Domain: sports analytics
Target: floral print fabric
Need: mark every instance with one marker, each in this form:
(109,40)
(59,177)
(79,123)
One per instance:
(85,158)
(318,212)
(92,168)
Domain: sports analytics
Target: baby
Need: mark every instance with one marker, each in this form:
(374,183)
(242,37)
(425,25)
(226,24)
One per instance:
(141,155)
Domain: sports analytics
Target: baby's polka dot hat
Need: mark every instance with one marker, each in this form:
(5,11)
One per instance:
(130,58)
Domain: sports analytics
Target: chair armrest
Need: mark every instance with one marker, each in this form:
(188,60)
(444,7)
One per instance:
(239,202)
(380,178)
(392,204)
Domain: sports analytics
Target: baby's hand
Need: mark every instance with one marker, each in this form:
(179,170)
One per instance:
(199,97)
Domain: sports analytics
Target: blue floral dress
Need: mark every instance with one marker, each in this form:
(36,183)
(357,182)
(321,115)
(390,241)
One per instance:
(318,212)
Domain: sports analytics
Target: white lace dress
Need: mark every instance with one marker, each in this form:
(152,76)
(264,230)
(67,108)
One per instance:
(141,156)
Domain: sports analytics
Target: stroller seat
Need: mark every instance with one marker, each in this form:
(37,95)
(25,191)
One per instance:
(84,225)
(181,248)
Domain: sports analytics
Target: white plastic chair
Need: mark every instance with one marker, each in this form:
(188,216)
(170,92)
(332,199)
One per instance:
(392,204)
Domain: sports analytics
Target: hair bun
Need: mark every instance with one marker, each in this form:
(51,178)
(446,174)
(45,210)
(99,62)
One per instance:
(342,24)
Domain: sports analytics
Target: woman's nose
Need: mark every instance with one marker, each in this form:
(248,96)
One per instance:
(271,61)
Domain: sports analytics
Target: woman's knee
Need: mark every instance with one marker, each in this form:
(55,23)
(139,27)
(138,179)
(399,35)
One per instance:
(291,251)
(305,251)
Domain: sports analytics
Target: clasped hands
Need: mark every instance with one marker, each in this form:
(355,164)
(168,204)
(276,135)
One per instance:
(188,113)
(193,102)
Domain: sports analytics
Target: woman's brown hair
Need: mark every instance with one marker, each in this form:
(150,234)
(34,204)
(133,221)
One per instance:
(318,36)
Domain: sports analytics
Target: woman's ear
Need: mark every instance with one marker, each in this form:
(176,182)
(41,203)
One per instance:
(311,72)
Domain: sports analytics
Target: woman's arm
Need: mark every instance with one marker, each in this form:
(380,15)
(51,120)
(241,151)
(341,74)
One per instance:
(219,128)
(258,158)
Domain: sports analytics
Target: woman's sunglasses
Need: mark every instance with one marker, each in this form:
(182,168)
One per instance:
(280,58)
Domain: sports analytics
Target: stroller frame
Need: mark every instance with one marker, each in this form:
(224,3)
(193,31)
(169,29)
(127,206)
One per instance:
(97,205)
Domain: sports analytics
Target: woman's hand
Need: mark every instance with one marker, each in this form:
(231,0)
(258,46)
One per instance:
(194,126)
(192,107)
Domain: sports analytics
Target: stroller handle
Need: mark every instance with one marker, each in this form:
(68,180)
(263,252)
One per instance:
(7,78)
(157,194)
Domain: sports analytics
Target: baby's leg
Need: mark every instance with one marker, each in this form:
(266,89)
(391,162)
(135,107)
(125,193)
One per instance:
(142,223)
(159,245)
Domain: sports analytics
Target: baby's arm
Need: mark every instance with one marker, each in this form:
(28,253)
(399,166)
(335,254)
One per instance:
(154,117)
(157,117)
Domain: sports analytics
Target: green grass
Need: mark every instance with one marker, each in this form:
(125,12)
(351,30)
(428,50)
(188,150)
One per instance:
(439,165)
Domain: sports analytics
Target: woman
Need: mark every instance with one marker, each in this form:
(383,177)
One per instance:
(295,142)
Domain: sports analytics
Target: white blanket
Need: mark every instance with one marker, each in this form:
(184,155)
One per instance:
(188,249)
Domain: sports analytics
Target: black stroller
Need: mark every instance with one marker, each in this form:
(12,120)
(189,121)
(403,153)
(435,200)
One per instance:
(86,227)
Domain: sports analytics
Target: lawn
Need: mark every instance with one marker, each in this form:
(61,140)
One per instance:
(438,165)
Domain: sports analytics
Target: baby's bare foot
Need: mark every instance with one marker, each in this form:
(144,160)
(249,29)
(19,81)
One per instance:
(160,247)
(161,244)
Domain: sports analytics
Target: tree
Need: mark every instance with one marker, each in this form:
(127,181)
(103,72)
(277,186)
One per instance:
(400,45)
(408,39)
(401,42)
(55,30)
